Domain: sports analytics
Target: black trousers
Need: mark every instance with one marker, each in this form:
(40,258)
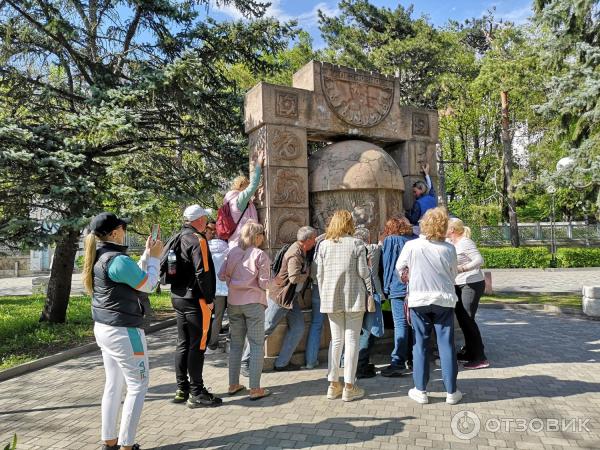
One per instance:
(466,308)
(193,334)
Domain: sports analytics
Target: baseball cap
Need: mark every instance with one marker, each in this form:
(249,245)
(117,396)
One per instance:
(194,212)
(105,222)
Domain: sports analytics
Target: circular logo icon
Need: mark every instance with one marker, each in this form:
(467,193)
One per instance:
(465,425)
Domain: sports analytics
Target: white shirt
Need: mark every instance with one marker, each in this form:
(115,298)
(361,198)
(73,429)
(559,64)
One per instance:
(432,269)
(471,261)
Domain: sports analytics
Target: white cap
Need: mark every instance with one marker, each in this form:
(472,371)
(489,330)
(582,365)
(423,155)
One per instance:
(194,212)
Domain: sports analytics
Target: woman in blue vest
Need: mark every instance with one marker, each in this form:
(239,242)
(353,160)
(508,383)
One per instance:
(117,284)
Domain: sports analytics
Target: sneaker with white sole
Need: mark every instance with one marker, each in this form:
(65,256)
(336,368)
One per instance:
(453,399)
(474,365)
(418,396)
(352,394)
(334,392)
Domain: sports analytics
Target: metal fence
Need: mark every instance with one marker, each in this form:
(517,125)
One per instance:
(575,233)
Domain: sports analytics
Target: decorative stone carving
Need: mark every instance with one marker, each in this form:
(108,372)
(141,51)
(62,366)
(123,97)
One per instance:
(358,98)
(286,104)
(287,227)
(286,145)
(289,187)
(420,124)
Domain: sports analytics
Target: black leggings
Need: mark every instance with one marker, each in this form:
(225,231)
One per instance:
(466,308)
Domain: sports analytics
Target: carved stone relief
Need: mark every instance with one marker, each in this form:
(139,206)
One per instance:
(286,104)
(257,143)
(289,187)
(358,98)
(363,205)
(420,124)
(287,146)
(287,227)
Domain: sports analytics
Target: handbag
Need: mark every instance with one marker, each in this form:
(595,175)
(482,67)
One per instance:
(371,304)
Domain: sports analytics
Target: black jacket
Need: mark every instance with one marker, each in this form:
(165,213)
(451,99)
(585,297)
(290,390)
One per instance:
(196,276)
(115,304)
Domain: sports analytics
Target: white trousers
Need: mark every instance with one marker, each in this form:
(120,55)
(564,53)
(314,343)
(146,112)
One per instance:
(125,356)
(345,334)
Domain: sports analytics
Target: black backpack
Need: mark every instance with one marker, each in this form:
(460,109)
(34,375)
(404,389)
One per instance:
(278,259)
(174,243)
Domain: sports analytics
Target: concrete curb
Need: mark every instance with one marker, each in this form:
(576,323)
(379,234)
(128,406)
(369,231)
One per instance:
(552,309)
(68,354)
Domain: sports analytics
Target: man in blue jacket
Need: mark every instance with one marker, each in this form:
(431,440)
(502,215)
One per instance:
(425,198)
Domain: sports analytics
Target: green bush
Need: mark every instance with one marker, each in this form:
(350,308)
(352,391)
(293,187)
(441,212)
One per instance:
(578,257)
(509,257)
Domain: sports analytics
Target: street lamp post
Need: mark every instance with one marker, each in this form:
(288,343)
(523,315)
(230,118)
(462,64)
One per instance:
(552,190)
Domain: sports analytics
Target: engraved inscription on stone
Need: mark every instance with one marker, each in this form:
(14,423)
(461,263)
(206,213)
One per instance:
(420,124)
(289,187)
(286,145)
(358,98)
(287,228)
(286,104)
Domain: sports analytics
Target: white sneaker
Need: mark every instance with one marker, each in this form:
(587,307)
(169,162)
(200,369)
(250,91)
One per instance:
(334,392)
(210,351)
(418,396)
(352,394)
(453,399)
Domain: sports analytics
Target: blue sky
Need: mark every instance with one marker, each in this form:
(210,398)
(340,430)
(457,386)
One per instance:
(305,11)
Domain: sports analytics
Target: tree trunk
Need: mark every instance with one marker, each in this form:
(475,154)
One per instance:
(507,160)
(59,286)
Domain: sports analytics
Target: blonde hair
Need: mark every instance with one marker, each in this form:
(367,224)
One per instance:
(89,259)
(434,224)
(341,224)
(250,230)
(458,226)
(240,183)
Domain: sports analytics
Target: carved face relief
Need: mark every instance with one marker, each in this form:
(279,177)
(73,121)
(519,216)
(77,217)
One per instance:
(289,188)
(357,98)
(364,214)
(420,124)
(286,104)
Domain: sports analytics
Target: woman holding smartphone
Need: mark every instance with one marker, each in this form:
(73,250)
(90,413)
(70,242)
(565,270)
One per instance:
(116,284)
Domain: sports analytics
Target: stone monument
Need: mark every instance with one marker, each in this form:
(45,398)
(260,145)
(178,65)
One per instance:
(375,147)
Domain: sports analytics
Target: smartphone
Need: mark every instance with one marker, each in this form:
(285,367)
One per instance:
(155,232)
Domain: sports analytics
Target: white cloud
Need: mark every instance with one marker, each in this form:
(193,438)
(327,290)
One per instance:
(306,20)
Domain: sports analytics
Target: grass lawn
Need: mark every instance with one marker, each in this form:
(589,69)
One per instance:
(23,338)
(563,300)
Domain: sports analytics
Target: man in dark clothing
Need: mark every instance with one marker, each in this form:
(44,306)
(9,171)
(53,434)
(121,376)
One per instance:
(192,295)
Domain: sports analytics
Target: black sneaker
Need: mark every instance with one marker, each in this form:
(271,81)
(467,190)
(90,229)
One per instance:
(180,396)
(366,372)
(203,400)
(111,447)
(287,368)
(392,371)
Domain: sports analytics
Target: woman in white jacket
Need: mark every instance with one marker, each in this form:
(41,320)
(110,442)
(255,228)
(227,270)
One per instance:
(432,268)
(469,285)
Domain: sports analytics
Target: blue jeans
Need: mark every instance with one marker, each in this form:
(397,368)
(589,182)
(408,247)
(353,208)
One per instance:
(313,341)
(366,343)
(295,320)
(424,319)
(402,334)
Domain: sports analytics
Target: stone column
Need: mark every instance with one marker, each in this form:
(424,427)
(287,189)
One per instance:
(282,201)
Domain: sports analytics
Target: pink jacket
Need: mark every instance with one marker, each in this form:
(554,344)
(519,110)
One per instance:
(250,213)
(247,274)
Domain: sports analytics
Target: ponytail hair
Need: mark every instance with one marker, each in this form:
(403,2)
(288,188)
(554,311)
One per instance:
(89,259)
(459,227)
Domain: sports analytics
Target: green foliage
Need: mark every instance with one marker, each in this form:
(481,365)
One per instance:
(23,337)
(538,257)
(578,257)
(522,257)
(13,445)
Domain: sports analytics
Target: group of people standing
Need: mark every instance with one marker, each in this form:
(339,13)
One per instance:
(427,279)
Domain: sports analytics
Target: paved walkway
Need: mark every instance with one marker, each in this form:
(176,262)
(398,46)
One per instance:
(545,379)
(503,280)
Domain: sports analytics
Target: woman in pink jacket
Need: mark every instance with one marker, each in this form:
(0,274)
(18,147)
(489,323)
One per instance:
(247,271)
